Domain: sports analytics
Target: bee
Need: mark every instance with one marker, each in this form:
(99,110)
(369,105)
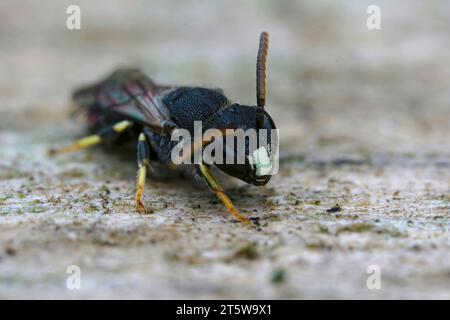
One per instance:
(128,101)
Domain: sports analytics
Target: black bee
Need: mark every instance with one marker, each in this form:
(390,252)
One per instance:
(129,101)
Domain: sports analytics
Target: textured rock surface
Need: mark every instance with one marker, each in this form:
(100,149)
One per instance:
(364,179)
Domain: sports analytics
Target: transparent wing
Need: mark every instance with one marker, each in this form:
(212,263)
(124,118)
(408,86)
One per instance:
(127,92)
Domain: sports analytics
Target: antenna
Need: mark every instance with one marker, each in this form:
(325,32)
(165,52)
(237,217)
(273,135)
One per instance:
(261,62)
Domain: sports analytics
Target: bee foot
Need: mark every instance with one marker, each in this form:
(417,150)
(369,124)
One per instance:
(141,209)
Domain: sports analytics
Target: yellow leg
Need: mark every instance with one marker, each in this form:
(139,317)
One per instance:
(140,184)
(143,162)
(93,140)
(217,189)
(198,144)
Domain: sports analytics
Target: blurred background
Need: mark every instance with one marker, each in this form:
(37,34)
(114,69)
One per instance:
(364,122)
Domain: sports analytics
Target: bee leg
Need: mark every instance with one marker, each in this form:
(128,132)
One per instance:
(106,134)
(217,189)
(143,154)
